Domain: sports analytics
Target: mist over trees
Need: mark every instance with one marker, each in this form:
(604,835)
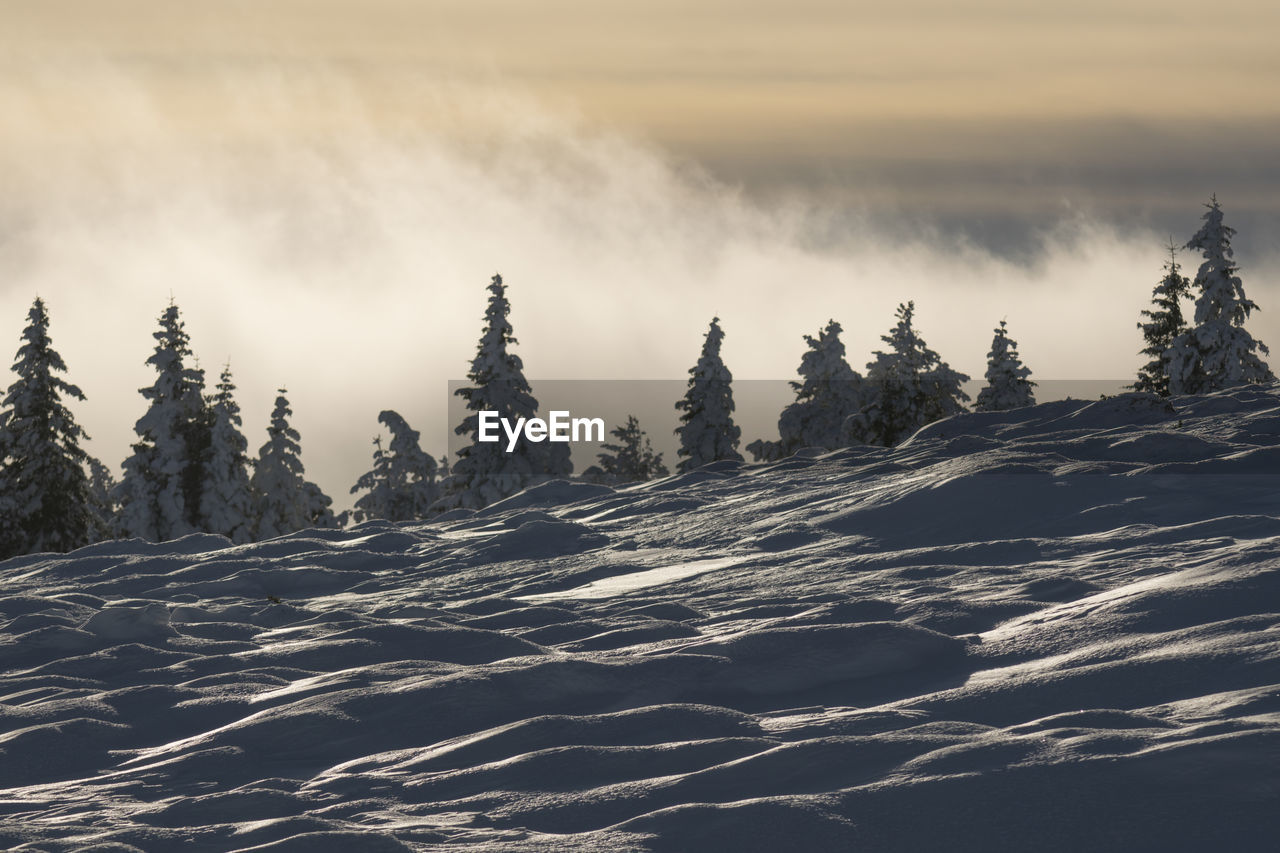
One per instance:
(189,469)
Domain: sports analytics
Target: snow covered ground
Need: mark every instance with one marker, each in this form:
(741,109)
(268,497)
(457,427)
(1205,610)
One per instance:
(1053,629)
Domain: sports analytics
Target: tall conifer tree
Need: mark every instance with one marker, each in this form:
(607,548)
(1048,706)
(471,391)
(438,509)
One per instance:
(154,494)
(1163,326)
(485,472)
(46,489)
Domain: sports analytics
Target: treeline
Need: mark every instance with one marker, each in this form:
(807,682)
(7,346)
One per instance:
(189,470)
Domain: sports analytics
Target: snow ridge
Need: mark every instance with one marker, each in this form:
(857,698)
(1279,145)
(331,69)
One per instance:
(1053,628)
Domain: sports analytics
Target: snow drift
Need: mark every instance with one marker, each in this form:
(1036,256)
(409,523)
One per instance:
(1056,628)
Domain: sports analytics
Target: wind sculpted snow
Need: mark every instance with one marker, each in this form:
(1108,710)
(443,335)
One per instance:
(1056,628)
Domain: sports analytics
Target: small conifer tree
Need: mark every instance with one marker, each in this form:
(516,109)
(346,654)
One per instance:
(707,431)
(403,483)
(414,474)
(631,460)
(285,501)
(830,392)
(102,486)
(319,507)
(910,386)
(376,483)
(226,501)
(1007,384)
(1217,351)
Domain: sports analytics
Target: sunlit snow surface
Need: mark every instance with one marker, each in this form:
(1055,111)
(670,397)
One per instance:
(1055,629)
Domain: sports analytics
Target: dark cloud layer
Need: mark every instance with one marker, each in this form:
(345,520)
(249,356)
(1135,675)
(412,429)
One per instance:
(1004,185)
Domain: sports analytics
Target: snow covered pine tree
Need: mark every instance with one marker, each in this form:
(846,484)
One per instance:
(631,460)
(226,504)
(158,480)
(909,386)
(47,500)
(1007,384)
(376,483)
(830,393)
(484,471)
(1164,325)
(1217,352)
(414,474)
(101,487)
(403,483)
(284,500)
(707,431)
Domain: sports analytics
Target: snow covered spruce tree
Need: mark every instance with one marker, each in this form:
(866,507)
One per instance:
(376,483)
(159,493)
(1007,384)
(1216,352)
(403,484)
(631,460)
(198,440)
(707,431)
(1163,326)
(484,471)
(226,505)
(10,538)
(101,488)
(830,392)
(46,491)
(909,387)
(320,507)
(284,500)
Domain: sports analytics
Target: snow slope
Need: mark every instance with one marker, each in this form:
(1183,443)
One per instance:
(1052,629)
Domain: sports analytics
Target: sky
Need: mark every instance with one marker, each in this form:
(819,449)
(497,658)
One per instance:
(326,186)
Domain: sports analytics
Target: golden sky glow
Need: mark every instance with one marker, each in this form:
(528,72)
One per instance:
(711,71)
